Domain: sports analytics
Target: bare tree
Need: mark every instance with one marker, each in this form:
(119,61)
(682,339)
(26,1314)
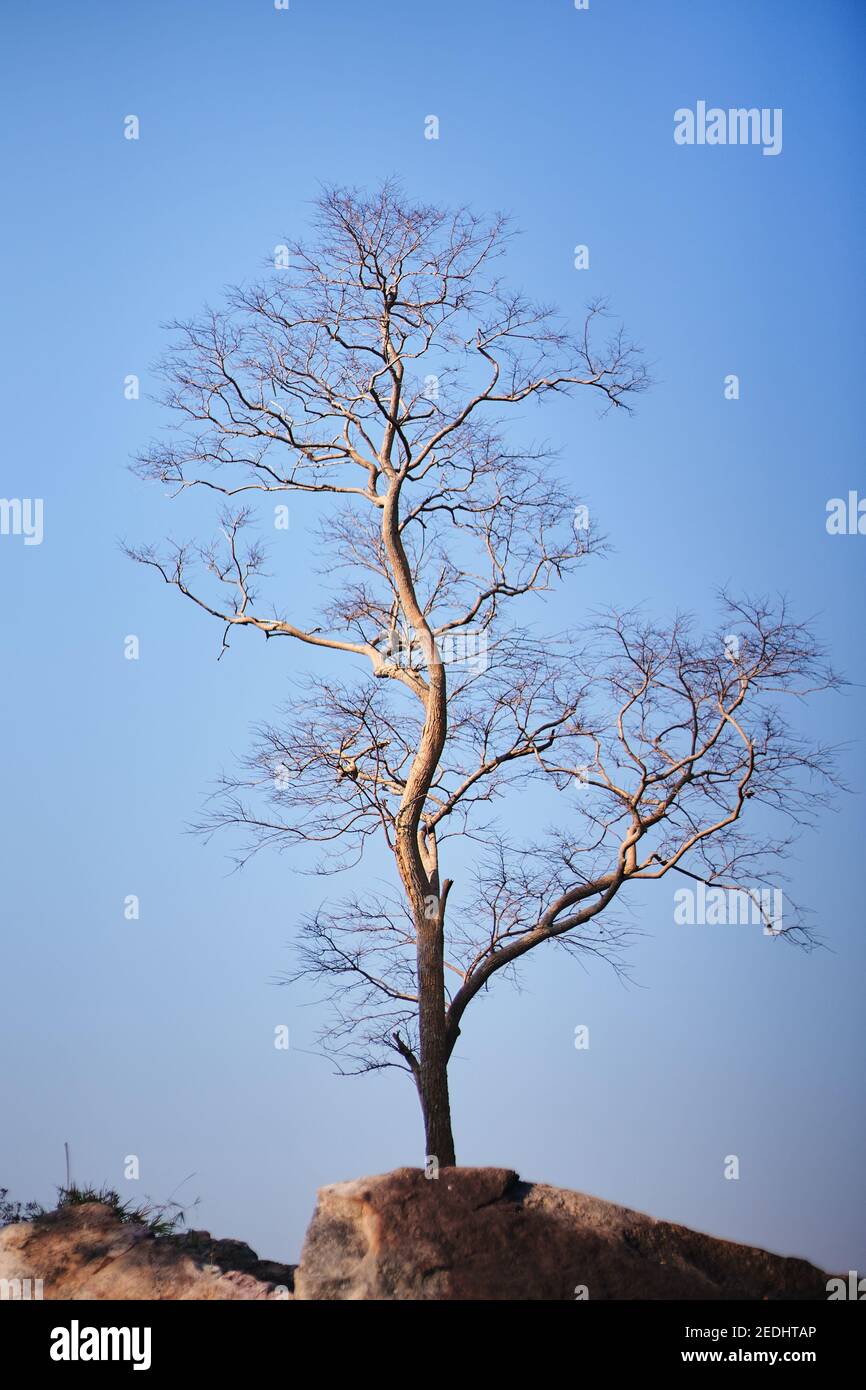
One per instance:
(376,368)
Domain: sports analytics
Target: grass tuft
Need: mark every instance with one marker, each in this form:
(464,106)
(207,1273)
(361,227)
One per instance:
(13,1212)
(161,1219)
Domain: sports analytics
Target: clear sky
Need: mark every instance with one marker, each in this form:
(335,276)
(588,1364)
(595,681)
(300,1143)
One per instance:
(155,1037)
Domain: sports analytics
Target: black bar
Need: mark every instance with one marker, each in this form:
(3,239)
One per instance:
(220,1339)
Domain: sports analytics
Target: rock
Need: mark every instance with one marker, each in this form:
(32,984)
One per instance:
(481,1233)
(473,1233)
(87,1252)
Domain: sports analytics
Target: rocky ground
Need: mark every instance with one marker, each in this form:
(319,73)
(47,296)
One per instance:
(473,1233)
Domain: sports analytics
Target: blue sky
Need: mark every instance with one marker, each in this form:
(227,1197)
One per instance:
(155,1037)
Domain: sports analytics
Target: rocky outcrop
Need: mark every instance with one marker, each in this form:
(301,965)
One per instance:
(481,1233)
(471,1233)
(86,1252)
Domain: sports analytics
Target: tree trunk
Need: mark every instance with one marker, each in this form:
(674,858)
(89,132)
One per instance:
(415,848)
(432,1075)
(436,1108)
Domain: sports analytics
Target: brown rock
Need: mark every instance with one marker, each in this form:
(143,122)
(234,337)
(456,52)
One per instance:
(87,1252)
(481,1233)
(473,1233)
